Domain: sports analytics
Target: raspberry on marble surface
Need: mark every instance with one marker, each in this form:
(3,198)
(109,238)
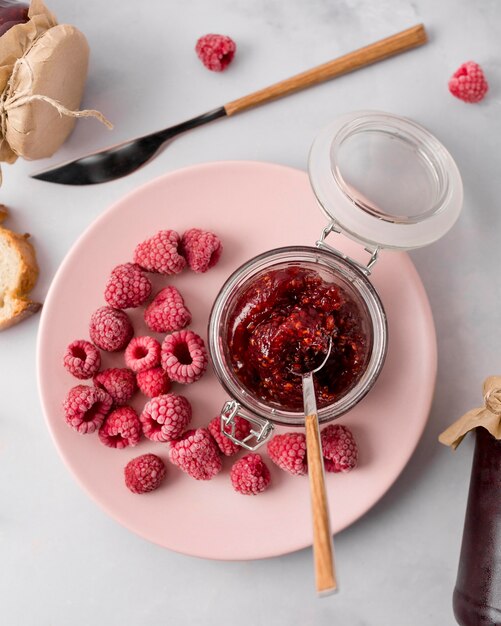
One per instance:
(215,51)
(468,83)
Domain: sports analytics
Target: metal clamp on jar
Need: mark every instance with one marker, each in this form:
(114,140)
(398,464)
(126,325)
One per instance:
(385,182)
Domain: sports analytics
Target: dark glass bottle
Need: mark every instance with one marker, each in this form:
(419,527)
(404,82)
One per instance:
(477,596)
(12,13)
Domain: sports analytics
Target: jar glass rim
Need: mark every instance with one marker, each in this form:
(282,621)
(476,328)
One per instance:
(296,255)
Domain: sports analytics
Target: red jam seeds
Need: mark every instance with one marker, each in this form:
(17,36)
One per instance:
(281,326)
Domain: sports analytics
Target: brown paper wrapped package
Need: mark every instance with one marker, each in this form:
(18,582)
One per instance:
(488,416)
(43,69)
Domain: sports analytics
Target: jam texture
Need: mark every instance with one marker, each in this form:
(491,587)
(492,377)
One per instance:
(281,326)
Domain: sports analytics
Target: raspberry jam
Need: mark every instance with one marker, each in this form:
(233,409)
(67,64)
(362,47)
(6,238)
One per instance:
(281,326)
(274,318)
(12,13)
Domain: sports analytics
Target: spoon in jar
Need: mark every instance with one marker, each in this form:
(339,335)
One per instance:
(323,549)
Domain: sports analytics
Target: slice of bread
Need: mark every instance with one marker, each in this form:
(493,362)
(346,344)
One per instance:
(18,275)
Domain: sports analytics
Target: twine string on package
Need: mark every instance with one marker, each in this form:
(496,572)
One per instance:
(10,99)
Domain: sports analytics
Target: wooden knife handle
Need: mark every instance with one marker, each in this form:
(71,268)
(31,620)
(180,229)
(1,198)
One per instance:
(405,40)
(323,551)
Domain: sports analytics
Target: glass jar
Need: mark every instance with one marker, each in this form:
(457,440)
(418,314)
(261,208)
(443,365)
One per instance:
(381,180)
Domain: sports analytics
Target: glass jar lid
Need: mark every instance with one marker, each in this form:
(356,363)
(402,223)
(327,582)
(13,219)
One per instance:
(385,181)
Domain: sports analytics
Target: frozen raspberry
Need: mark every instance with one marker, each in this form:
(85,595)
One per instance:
(167,312)
(142,353)
(468,83)
(288,451)
(196,454)
(249,475)
(201,249)
(86,407)
(339,448)
(127,287)
(160,253)
(165,417)
(144,473)
(184,356)
(121,428)
(119,382)
(110,329)
(215,51)
(153,382)
(227,447)
(82,359)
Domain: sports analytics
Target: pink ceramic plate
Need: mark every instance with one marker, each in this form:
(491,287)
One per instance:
(253,207)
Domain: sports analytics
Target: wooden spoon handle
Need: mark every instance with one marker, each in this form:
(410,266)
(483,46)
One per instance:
(405,40)
(323,552)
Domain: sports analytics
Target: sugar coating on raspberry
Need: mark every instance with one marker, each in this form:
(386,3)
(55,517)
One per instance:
(82,359)
(144,473)
(339,448)
(184,356)
(201,248)
(110,329)
(167,312)
(86,407)
(119,382)
(165,417)
(468,83)
(215,51)
(228,447)
(128,287)
(153,382)
(160,253)
(196,454)
(249,475)
(288,451)
(121,428)
(142,353)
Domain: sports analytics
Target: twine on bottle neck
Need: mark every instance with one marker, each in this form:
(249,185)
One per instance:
(487,416)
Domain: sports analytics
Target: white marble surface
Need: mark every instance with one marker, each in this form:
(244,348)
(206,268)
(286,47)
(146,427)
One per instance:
(63,561)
